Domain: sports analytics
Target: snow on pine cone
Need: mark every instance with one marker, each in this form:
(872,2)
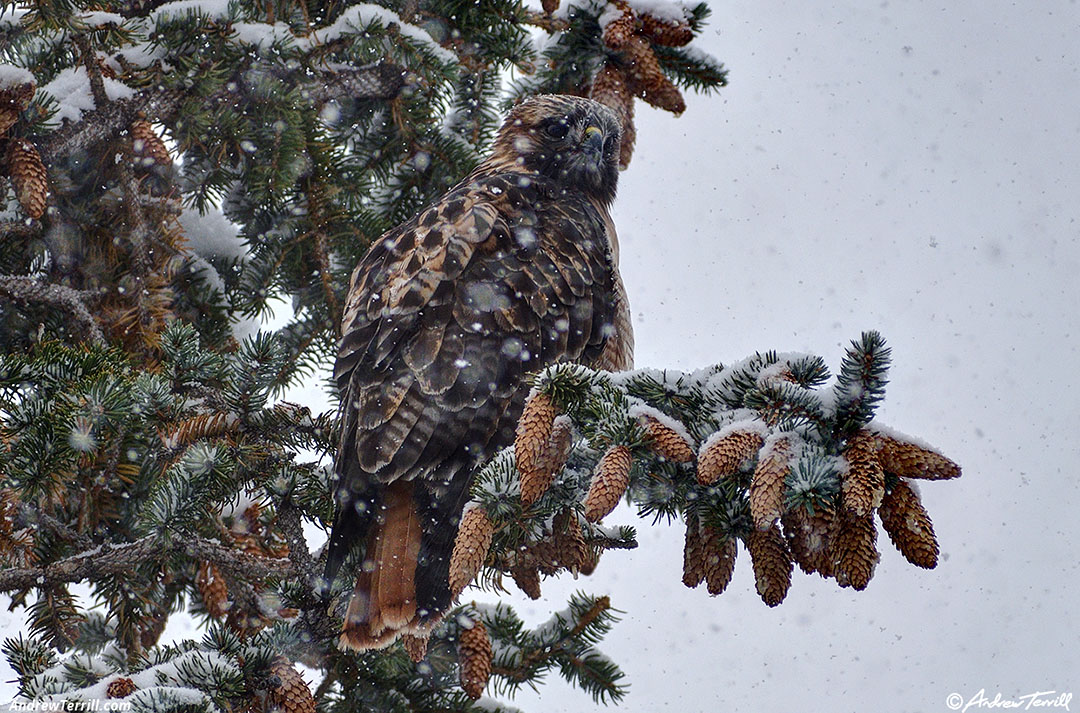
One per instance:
(28,176)
(470,547)
(120,688)
(474,658)
(767,485)
(693,554)
(908,460)
(852,549)
(293,694)
(666,441)
(618,32)
(909,526)
(720,457)
(532,438)
(772,564)
(862,484)
(609,482)
(667,34)
(720,552)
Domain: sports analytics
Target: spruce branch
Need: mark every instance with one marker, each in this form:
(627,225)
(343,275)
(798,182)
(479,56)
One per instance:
(27,290)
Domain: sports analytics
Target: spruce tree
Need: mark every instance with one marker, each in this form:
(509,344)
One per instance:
(176,171)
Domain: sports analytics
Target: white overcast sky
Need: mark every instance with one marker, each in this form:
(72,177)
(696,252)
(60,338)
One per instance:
(911,167)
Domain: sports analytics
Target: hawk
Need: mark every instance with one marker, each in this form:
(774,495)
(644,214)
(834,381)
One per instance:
(512,270)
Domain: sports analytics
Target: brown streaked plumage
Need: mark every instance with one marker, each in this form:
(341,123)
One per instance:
(513,269)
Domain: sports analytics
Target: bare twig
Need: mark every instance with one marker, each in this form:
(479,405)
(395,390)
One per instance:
(30,291)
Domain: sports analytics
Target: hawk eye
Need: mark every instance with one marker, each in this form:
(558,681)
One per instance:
(557,129)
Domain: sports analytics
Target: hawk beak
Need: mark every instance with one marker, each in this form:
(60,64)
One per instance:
(593,141)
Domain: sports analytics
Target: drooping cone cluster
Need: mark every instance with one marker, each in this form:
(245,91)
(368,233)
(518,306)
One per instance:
(767,486)
(908,525)
(14,98)
(474,658)
(28,176)
(470,548)
(609,482)
(772,564)
(635,70)
(564,548)
(293,694)
(147,145)
(722,456)
(120,688)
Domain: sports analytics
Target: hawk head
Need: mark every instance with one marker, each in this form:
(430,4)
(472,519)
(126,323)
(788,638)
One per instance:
(572,140)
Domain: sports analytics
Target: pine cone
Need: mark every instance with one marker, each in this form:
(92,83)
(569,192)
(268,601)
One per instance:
(549,6)
(147,144)
(215,594)
(693,554)
(862,485)
(552,459)
(474,655)
(120,688)
(532,437)
(293,695)
(767,486)
(29,177)
(470,547)
(618,33)
(908,524)
(666,441)
(415,646)
(723,456)
(647,79)
(807,538)
(720,552)
(610,89)
(527,578)
(668,34)
(592,559)
(852,549)
(907,460)
(570,547)
(14,99)
(772,564)
(609,482)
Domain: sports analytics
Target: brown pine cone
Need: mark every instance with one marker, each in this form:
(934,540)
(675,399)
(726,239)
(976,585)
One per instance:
(668,34)
(908,524)
(666,441)
(693,554)
(852,549)
(470,548)
(907,460)
(592,559)
(532,437)
(767,486)
(862,484)
(610,89)
(211,585)
(415,646)
(293,695)
(29,177)
(120,688)
(723,456)
(772,564)
(620,30)
(646,78)
(147,144)
(570,547)
(527,578)
(807,538)
(549,6)
(609,482)
(720,552)
(14,99)
(474,656)
(536,481)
